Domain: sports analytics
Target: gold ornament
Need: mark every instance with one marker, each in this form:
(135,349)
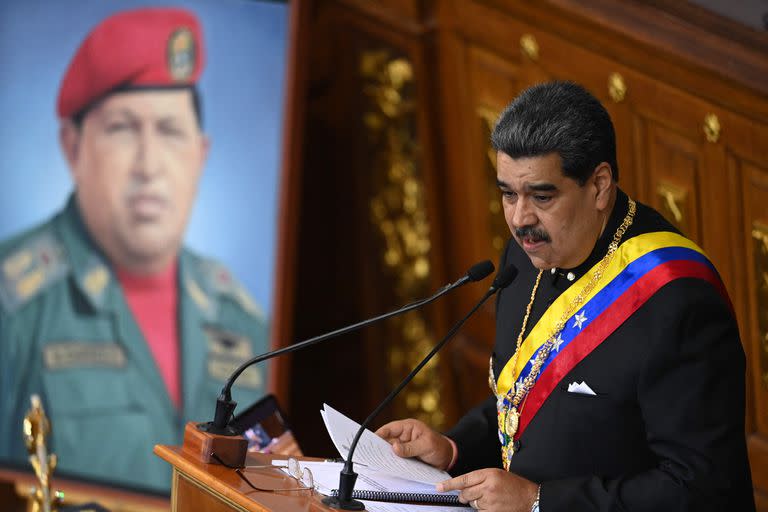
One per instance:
(514,396)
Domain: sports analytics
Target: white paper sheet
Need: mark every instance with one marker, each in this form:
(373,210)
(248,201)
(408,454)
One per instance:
(384,506)
(326,477)
(374,451)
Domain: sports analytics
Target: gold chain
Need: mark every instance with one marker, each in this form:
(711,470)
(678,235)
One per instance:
(491,379)
(521,391)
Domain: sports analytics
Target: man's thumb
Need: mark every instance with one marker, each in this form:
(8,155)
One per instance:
(403,449)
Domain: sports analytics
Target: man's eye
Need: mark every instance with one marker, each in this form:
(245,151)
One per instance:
(508,194)
(542,199)
(171,130)
(118,127)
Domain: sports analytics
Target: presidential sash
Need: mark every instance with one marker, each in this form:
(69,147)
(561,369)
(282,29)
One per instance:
(638,269)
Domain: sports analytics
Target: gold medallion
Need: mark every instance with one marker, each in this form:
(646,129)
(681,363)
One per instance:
(509,415)
(513,420)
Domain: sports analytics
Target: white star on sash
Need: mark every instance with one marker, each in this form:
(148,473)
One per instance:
(558,341)
(580,319)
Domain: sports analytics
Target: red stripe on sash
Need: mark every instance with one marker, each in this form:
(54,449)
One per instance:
(603,326)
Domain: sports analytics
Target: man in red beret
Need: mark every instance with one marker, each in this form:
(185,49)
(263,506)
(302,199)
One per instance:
(125,334)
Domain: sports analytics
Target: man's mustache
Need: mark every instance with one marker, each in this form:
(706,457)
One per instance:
(538,235)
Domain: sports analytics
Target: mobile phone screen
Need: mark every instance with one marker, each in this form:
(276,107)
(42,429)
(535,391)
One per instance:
(262,424)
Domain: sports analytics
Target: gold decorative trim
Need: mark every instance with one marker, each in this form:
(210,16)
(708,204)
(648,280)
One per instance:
(530,46)
(760,255)
(673,204)
(617,87)
(498,229)
(399,215)
(712,127)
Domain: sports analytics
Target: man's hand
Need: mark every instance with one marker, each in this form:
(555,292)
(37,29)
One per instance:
(493,489)
(412,438)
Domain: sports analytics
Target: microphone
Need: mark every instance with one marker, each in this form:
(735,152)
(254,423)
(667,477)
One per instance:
(343,500)
(225,406)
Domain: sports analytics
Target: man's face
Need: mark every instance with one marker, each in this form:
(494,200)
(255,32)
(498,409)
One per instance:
(136,162)
(554,219)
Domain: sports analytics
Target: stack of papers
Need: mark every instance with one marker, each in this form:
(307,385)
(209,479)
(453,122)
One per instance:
(374,452)
(380,472)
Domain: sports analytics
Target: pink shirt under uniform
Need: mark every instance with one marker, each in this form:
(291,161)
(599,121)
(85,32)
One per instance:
(153,300)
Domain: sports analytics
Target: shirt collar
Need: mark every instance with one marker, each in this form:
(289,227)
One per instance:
(91,272)
(197,286)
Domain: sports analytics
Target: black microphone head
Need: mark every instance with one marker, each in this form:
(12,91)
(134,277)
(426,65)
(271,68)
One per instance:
(505,277)
(480,271)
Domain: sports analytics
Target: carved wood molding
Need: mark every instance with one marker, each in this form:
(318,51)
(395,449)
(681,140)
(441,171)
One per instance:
(398,214)
(655,41)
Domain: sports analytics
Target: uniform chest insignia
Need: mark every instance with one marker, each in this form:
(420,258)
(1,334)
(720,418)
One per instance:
(198,295)
(95,280)
(225,284)
(227,351)
(38,263)
(17,263)
(247,303)
(226,344)
(221,370)
(64,355)
(30,283)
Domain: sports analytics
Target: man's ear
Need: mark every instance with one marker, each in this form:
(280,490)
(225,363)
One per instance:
(603,184)
(69,140)
(205,147)
(205,142)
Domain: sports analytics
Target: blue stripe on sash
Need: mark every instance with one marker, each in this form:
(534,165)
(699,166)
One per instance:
(605,297)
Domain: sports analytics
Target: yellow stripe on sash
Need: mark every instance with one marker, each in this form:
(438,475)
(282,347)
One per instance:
(628,252)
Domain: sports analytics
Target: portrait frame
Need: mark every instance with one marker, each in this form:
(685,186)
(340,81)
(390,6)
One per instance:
(287,160)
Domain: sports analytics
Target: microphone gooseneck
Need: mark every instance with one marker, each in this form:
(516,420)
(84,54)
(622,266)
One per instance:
(225,406)
(343,500)
(504,278)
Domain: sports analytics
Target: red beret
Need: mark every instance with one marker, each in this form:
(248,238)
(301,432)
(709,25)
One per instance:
(143,47)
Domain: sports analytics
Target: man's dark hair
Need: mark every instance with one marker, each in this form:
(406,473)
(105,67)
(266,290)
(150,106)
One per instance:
(562,118)
(79,116)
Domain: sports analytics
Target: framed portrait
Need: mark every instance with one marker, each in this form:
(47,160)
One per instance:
(243,213)
(234,218)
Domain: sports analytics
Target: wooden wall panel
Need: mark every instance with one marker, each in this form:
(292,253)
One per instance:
(367,240)
(491,81)
(673,174)
(661,76)
(755,193)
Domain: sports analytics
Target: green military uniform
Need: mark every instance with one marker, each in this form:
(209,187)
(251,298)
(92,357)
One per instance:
(67,334)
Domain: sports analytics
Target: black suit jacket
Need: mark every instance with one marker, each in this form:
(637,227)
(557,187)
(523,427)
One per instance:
(665,431)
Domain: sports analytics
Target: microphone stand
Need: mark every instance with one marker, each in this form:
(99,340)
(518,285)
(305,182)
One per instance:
(225,406)
(343,500)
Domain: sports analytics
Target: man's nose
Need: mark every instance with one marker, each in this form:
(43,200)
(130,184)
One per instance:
(522,214)
(148,158)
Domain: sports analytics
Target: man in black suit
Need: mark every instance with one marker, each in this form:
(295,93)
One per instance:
(617,373)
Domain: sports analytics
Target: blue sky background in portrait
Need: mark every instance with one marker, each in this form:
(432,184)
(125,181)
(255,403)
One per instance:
(234,218)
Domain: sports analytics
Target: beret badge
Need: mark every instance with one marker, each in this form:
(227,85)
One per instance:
(181,54)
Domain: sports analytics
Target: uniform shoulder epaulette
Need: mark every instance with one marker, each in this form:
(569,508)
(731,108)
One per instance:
(29,264)
(221,281)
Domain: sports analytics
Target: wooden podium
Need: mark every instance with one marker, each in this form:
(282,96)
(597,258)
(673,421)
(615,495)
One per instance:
(209,487)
